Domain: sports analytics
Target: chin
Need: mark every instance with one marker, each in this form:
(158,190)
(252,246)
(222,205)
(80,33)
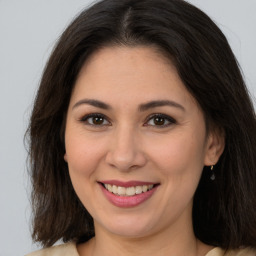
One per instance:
(132,227)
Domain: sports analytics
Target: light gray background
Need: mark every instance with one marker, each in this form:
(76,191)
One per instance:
(28,31)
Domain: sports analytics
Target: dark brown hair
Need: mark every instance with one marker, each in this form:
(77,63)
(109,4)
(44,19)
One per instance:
(224,211)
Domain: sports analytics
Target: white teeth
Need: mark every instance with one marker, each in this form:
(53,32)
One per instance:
(144,188)
(121,191)
(109,188)
(130,191)
(114,189)
(138,190)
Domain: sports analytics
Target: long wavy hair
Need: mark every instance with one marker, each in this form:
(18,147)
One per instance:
(224,210)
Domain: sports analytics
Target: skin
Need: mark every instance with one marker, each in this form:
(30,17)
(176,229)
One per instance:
(130,144)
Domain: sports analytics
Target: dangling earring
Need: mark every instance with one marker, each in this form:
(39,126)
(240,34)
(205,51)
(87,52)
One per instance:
(213,175)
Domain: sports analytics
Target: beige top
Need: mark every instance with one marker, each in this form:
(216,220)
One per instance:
(69,249)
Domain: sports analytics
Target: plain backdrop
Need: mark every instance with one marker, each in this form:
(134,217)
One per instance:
(28,31)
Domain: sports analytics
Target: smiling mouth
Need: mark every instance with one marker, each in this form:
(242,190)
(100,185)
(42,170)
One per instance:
(128,191)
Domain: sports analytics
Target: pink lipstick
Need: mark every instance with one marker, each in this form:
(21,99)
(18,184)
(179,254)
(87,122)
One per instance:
(127,194)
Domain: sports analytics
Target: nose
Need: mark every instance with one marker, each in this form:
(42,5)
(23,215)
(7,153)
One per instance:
(126,151)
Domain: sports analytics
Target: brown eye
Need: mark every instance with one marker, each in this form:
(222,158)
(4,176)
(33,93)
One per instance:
(160,120)
(95,120)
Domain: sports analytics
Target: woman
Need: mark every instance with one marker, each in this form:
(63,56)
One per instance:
(142,137)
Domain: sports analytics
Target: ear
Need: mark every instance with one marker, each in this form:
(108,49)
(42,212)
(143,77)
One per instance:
(214,147)
(66,157)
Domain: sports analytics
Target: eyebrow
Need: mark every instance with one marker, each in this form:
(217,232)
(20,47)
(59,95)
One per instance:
(160,103)
(142,107)
(95,103)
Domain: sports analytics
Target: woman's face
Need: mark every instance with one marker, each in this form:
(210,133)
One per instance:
(136,142)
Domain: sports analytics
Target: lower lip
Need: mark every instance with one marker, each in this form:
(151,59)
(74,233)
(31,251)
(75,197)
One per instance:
(128,201)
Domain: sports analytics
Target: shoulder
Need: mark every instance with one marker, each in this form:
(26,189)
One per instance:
(237,252)
(68,249)
(242,252)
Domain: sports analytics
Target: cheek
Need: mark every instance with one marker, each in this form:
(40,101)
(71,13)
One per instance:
(178,154)
(83,156)
(180,162)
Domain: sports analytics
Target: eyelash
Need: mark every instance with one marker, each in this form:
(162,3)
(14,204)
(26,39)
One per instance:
(164,118)
(94,115)
(167,118)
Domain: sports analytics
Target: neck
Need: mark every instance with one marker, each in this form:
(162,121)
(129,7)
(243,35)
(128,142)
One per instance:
(151,245)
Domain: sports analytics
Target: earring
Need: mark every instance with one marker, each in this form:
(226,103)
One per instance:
(213,175)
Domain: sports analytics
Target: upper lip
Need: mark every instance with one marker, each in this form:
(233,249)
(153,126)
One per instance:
(126,184)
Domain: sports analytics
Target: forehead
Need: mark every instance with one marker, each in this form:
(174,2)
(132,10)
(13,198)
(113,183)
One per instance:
(130,72)
(122,55)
